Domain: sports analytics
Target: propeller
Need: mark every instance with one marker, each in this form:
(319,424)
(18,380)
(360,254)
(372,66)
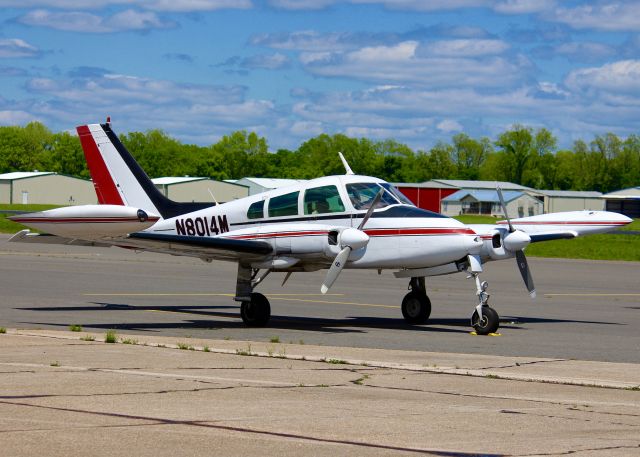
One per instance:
(515,241)
(350,239)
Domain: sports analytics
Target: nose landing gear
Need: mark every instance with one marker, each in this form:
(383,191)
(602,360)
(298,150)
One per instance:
(485,320)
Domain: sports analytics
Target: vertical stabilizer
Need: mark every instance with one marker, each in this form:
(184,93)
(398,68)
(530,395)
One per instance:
(119,180)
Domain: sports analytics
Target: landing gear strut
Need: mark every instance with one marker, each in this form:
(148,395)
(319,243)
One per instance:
(485,320)
(255,309)
(416,306)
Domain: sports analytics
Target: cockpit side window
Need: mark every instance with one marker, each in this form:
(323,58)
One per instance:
(284,205)
(256,210)
(321,200)
(362,195)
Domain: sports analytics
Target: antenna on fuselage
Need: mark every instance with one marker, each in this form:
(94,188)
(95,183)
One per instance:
(346,165)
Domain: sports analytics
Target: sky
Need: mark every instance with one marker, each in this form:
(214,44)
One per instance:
(416,71)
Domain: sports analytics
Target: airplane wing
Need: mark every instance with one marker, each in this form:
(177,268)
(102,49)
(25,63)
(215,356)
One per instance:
(191,246)
(197,246)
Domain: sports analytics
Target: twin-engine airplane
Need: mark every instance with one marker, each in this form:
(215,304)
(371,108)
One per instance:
(334,222)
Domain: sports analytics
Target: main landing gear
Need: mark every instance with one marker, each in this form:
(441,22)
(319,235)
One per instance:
(416,306)
(255,309)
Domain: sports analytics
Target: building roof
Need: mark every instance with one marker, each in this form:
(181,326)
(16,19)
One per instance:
(484,195)
(168,180)
(24,174)
(571,193)
(424,185)
(272,183)
(631,192)
(468,184)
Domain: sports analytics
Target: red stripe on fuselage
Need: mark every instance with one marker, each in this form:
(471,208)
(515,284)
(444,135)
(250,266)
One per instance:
(371,232)
(106,189)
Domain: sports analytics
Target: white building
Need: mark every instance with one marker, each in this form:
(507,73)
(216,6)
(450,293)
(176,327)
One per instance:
(191,189)
(572,200)
(625,201)
(45,188)
(486,202)
(258,185)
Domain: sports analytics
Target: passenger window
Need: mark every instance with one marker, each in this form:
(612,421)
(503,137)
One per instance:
(256,210)
(322,200)
(284,205)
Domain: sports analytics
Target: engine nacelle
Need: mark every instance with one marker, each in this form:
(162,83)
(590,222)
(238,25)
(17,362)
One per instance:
(89,222)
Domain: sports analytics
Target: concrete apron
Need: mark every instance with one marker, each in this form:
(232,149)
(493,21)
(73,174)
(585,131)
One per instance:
(60,395)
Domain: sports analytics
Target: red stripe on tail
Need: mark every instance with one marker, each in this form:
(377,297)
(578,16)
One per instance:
(106,189)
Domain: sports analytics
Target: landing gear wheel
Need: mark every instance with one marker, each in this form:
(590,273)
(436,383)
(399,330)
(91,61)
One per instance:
(488,324)
(416,308)
(255,313)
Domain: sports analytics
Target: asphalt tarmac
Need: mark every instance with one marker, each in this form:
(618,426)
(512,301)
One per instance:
(586,310)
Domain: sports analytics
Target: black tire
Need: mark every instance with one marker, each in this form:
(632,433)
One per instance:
(416,308)
(489,323)
(257,312)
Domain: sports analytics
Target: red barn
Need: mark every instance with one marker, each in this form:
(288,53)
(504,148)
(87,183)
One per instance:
(426,195)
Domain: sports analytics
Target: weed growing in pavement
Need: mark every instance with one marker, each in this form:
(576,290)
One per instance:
(55,364)
(111,337)
(359,381)
(88,338)
(3,330)
(301,342)
(206,349)
(491,376)
(275,339)
(75,327)
(270,351)
(244,352)
(129,341)
(337,361)
(185,347)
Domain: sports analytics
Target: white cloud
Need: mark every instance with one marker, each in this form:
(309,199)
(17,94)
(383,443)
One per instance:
(16,117)
(266,61)
(90,23)
(156,5)
(15,47)
(463,48)
(610,16)
(523,6)
(622,76)
(449,126)
(401,63)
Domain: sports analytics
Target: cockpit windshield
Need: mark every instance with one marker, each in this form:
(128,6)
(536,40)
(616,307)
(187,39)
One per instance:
(396,193)
(362,195)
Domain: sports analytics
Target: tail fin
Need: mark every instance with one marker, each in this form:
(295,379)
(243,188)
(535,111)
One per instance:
(119,180)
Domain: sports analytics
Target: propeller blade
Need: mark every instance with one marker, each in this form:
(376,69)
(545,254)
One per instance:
(523,266)
(335,269)
(375,201)
(504,209)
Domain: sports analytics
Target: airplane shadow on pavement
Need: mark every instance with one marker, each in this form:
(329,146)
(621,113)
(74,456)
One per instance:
(230,319)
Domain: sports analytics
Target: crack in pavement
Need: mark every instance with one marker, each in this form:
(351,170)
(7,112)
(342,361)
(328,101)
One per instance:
(479,396)
(575,451)
(519,364)
(245,430)
(571,418)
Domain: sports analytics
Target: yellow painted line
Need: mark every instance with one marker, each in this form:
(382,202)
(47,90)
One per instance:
(284,297)
(592,295)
